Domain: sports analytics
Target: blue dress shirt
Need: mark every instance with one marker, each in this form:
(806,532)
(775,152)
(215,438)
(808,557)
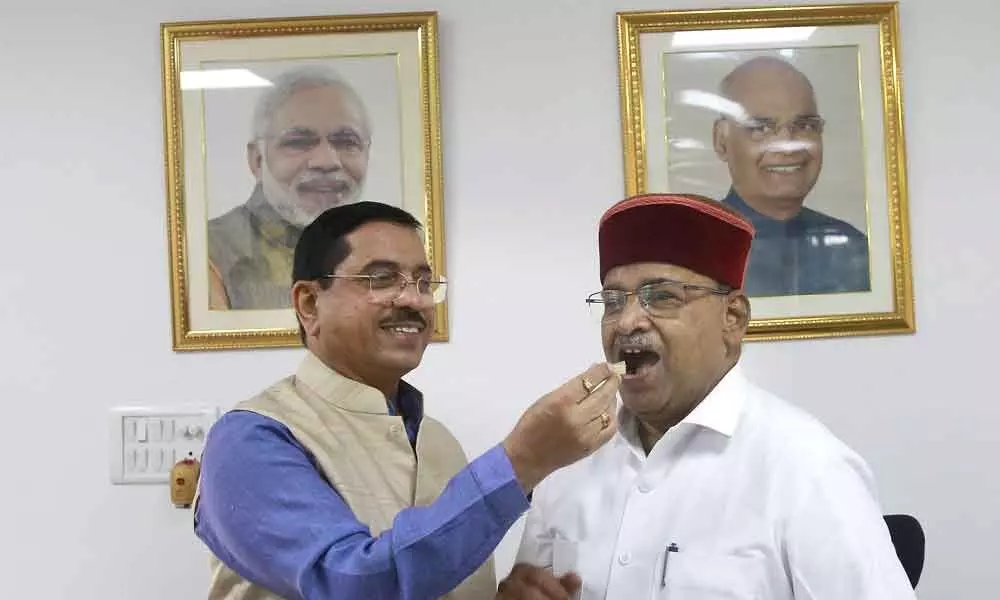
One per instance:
(266,511)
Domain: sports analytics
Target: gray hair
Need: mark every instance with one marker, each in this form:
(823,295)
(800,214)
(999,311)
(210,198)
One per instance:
(293,80)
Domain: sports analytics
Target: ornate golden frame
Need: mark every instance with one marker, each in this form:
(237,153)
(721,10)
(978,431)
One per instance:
(634,24)
(423,25)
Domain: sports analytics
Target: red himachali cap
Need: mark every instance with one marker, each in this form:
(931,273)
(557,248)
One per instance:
(686,230)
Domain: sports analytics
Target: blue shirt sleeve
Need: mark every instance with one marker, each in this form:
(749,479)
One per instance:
(266,511)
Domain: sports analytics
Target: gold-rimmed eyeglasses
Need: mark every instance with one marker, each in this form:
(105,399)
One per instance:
(387,286)
(663,299)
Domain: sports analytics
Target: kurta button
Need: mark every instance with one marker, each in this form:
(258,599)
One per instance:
(625,558)
(644,488)
(396,429)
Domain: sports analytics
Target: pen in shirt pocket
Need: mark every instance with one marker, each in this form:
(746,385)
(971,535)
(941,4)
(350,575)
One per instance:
(666,557)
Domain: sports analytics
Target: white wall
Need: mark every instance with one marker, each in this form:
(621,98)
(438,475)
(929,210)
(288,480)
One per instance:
(532,157)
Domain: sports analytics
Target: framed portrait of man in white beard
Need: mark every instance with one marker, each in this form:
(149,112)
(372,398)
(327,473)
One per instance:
(269,123)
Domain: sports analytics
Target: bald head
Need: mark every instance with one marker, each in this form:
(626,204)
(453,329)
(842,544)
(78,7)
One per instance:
(773,146)
(758,75)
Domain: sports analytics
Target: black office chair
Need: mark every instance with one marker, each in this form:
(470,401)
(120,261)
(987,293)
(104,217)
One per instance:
(908,539)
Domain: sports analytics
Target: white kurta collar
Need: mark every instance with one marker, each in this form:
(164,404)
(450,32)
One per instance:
(722,408)
(720,411)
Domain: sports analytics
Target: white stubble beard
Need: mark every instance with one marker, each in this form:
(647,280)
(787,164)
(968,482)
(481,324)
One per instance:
(285,199)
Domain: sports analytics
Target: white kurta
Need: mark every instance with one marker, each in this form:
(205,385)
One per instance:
(758,498)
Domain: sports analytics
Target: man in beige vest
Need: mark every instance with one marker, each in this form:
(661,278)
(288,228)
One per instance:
(332,483)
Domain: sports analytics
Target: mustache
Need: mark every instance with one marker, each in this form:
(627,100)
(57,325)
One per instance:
(633,340)
(322,178)
(404,315)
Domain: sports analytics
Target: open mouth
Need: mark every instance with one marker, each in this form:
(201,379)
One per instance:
(638,360)
(404,329)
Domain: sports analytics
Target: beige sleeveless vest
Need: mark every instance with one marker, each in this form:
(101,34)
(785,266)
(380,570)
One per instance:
(365,454)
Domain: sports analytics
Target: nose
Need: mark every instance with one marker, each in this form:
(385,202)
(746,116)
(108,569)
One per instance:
(324,157)
(633,317)
(784,132)
(410,296)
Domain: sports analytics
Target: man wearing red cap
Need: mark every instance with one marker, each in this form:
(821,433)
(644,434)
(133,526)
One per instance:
(712,488)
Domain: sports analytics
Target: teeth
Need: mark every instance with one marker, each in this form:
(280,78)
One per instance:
(784,169)
(631,351)
(405,329)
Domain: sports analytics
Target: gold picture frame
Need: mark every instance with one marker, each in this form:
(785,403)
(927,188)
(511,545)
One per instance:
(215,109)
(683,105)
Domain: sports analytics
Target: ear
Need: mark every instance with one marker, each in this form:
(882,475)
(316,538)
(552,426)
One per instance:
(736,318)
(254,158)
(305,295)
(720,139)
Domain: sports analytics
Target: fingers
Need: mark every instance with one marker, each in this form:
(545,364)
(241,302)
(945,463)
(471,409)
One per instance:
(594,413)
(603,428)
(603,398)
(571,582)
(591,380)
(528,582)
(598,380)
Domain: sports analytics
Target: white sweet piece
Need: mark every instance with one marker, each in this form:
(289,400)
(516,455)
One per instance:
(618,367)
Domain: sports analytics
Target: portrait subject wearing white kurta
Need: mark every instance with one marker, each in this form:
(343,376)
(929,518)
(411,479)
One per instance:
(748,497)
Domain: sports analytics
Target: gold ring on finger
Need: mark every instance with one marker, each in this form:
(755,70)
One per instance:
(605,420)
(599,385)
(587,386)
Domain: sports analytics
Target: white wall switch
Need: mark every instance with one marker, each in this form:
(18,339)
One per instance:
(147,442)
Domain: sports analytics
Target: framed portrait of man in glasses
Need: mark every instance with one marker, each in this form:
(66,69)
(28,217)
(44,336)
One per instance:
(792,117)
(270,122)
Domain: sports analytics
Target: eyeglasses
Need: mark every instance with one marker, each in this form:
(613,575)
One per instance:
(387,286)
(663,299)
(762,128)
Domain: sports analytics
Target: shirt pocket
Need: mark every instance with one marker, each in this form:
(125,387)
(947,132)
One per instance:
(564,557)
(693,576)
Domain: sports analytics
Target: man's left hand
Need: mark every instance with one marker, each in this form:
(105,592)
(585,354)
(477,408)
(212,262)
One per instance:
(528,582)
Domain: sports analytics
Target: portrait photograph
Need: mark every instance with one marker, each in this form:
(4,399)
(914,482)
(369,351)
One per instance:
(791,117)
(268,124)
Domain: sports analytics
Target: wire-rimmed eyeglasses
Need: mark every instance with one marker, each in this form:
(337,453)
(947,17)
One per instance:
(387,286)
(664,299)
